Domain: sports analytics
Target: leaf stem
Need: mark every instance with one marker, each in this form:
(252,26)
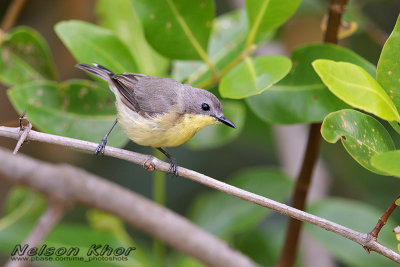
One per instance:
(203,54)
(246,52)
(256,25)
(12,14)
(159,249)
(383,219)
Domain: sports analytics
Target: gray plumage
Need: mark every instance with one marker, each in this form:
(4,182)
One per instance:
(152,96)
(158,112)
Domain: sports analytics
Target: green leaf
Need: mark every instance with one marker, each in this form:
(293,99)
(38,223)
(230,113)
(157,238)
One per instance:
(70,235)
(218,135)
(262,244)
(63,235)
(22,204)
(361,135)
(387,162)
(226,43)
(266,15)
(177,29)
(253,76)
(90,43)
(224,215)
(77,108)
(356,87)
(120,17)
(25,56)
(388,72)
(357,216)
(185,261)
(301,97)
(395,126)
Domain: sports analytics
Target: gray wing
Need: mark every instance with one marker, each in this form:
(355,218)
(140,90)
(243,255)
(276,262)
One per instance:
(148,95)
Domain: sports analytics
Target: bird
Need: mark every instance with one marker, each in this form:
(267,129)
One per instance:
(156,111)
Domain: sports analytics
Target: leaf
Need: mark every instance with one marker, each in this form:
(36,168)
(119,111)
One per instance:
(90,43)
(395,126)
(388,71)
(226,43)
(356,87)
(387,162)
(253,76)
(120,17)
(357,216)
(25,56)
(103,221)
(301,97)
(361,135)
(185,261)
(69,235)
(218,135)
(262,244)
(77,108)
(224,215)
(266,15)
(63,235)
(22,204)
(178,29)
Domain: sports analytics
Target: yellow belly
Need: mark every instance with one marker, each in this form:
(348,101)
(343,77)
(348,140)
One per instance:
(163,131)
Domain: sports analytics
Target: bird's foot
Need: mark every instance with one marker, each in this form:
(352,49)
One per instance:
(173,167)
(101,147)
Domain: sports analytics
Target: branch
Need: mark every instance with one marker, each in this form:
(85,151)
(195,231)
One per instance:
(25,131)
(12,14)
(383,219)
(69,185)
(336,10)
(289,251)
(113,199)
(46,223)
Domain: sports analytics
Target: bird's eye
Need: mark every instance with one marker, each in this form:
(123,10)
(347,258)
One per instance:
(205,107)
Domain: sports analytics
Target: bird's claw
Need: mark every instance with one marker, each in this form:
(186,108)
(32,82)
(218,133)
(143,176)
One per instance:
(173,167)
(101,147)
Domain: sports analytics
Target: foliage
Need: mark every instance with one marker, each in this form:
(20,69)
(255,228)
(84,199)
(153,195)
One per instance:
(358,88)
(344,211)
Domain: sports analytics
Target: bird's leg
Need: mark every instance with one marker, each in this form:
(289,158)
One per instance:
(100,148)
(173,170)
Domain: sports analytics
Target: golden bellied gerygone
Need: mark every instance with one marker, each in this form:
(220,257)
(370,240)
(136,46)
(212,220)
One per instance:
(158,112)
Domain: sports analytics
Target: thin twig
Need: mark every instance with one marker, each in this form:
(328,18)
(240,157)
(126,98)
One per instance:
(12,14)
(46,223)
(25,131)
(360,238)
(383,219)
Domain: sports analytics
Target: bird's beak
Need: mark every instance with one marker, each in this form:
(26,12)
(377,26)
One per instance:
(226,121)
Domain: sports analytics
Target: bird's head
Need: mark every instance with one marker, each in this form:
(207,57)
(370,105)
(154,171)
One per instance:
(201,102)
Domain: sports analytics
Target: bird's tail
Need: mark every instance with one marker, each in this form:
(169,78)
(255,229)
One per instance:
(96,70)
